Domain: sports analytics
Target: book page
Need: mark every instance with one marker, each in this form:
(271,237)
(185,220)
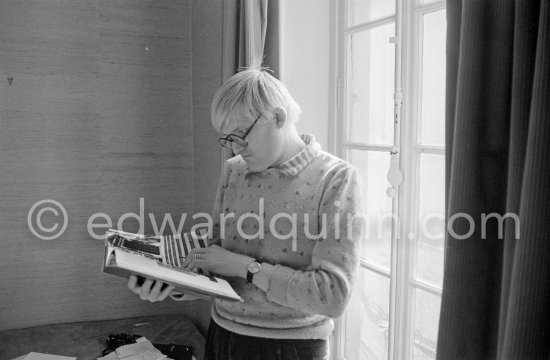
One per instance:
(40,356)
(149,267)
(161,257)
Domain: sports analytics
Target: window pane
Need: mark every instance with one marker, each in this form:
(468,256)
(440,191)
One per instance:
(370,85)
(367,327)
(377,206)
(433,78)
(360,11)
(426,325)
(431,224)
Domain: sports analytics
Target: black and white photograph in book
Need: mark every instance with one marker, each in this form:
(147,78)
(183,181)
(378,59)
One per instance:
(274,179)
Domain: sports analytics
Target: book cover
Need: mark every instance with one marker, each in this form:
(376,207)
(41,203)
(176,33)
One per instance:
(160,258)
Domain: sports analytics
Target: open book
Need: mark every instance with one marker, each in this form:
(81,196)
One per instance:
(160,258)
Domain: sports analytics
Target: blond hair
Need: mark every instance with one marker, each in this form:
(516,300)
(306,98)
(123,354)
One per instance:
(249,93)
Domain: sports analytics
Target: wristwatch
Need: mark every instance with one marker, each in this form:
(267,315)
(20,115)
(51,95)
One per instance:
(252,268)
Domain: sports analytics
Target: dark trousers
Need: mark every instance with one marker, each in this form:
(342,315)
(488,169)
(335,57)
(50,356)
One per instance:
(222,344)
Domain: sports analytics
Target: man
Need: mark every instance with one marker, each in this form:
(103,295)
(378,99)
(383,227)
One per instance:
(293,263)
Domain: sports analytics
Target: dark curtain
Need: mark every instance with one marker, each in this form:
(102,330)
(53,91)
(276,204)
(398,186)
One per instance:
(244,33)
(496,290)
(245,24)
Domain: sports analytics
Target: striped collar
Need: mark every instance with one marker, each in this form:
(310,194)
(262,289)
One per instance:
(300,161)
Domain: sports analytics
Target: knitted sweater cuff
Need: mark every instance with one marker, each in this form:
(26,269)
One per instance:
(278,283)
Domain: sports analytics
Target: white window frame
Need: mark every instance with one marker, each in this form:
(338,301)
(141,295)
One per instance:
(408,75)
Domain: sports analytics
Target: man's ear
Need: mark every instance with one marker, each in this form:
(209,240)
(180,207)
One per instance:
(280,117)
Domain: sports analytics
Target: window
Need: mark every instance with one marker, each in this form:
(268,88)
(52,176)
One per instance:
(390,98)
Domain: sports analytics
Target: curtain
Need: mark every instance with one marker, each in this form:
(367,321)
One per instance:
(244,33)
(244,38)
(496,289)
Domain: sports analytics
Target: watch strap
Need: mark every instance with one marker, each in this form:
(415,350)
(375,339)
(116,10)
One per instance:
(249,277)
(250,274)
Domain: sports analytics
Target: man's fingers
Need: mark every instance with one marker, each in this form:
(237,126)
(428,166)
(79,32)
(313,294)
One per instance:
(155,291)
(150,290)
(132,282)
(145,289)
(191,262)
(189,258)
(164,294)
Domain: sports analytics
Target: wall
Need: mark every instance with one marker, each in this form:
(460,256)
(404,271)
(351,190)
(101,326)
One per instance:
(304,61)
(104,108)
(207,68)
(207,75)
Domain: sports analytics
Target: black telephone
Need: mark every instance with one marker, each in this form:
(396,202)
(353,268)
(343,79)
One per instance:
(173,351)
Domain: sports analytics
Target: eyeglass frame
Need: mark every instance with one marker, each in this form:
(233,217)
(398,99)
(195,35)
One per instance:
(227,141)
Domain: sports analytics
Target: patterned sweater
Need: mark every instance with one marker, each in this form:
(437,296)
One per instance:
(308,251)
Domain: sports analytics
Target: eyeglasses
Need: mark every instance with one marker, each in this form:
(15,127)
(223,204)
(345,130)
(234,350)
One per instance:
(227,141)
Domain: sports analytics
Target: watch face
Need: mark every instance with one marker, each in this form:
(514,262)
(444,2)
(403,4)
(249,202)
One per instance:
(254,267)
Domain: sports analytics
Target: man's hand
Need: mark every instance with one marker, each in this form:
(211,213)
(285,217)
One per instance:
(218,260)
(150,290)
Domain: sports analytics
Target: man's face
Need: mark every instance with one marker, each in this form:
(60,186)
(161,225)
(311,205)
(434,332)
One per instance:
(265,142)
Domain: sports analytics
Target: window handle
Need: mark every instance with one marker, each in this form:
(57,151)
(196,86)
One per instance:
(395,176)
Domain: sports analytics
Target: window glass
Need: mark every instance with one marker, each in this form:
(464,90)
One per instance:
(431,224)
(370,318)
(377,206)
(426,325)
(360,11)
(370,85)
(433,78)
